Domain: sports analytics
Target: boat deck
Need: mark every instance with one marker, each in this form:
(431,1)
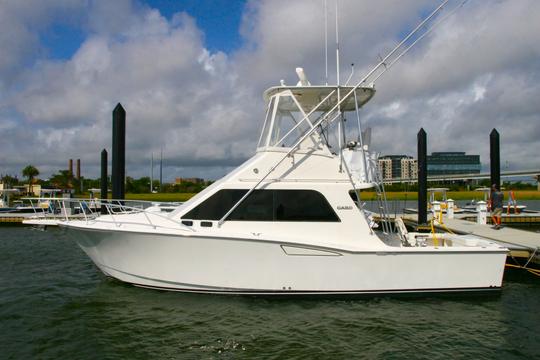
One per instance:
(515,238)
(521,243)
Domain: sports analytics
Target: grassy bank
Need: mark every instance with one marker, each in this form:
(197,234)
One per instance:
(456,195)
(161,197)
(366,195)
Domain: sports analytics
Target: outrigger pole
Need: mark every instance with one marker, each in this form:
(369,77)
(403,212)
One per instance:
(338,104)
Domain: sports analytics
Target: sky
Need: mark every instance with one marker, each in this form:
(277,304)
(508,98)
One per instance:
(190,75)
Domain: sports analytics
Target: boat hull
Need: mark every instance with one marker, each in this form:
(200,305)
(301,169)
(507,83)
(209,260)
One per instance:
(240,266)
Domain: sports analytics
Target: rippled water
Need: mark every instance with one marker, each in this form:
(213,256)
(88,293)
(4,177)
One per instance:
(55,304)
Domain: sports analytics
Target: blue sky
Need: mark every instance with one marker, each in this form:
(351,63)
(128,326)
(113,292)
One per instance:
(219,20)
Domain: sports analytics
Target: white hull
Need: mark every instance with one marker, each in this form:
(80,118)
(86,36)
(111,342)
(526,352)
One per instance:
(237,266)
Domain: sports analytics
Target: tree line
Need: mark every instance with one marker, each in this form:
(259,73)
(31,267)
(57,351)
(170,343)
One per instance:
(64,179)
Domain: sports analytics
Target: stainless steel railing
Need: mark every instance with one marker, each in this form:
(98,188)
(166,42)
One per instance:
(90,211)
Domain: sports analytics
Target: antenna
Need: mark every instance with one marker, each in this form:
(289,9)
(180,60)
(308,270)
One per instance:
(161,169)
(151,173)
(337,44)
(325,43)
(341,123)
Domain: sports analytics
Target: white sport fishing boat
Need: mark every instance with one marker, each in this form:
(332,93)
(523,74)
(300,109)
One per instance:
(287,221)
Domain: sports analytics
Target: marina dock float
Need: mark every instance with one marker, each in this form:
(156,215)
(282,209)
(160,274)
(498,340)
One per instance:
(525,218)
(11,219)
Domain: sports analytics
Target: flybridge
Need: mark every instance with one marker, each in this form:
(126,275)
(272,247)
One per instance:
(310,96)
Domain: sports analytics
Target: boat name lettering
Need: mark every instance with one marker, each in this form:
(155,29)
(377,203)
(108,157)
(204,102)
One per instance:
(344,207)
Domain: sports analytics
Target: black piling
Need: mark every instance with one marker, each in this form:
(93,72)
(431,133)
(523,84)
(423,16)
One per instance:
(119,152)
(422,177)
(104,181)
(495,158)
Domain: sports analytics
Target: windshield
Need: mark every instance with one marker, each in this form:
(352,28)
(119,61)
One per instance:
(286,123)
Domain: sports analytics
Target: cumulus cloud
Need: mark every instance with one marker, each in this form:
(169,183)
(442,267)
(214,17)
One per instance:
(179,97)
(478,70)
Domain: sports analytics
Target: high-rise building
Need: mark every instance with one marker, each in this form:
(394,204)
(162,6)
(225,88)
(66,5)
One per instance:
(385,168)
(395,162)
(452,162)
(409,168)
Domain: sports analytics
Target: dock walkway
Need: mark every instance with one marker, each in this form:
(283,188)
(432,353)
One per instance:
(507,235)
(521,243)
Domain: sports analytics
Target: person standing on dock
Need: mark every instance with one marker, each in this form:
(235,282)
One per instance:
(496,199)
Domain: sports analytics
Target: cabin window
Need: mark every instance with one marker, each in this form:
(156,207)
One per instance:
(266,205)
(258,206)
(215,206)
(302,205)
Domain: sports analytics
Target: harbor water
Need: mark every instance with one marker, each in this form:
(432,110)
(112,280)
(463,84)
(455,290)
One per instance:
(55,304)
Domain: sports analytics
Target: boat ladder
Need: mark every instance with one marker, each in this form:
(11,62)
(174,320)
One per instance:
(382,203)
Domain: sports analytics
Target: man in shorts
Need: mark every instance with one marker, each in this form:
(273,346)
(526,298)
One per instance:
(497,198)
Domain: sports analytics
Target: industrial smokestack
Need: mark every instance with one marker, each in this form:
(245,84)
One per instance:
(70,167)
(78,169)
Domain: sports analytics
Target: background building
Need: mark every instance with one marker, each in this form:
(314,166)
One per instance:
(395,166)
(180,180)
(446,163)
(409,168)
(385,168)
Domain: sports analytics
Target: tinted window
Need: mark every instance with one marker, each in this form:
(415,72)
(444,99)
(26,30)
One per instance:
(258,206)
(302,205)
(266,205)
(216,205)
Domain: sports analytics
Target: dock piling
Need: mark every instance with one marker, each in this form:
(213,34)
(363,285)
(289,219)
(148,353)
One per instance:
(104,181)
(119,152)
(422,177)
(495,158)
